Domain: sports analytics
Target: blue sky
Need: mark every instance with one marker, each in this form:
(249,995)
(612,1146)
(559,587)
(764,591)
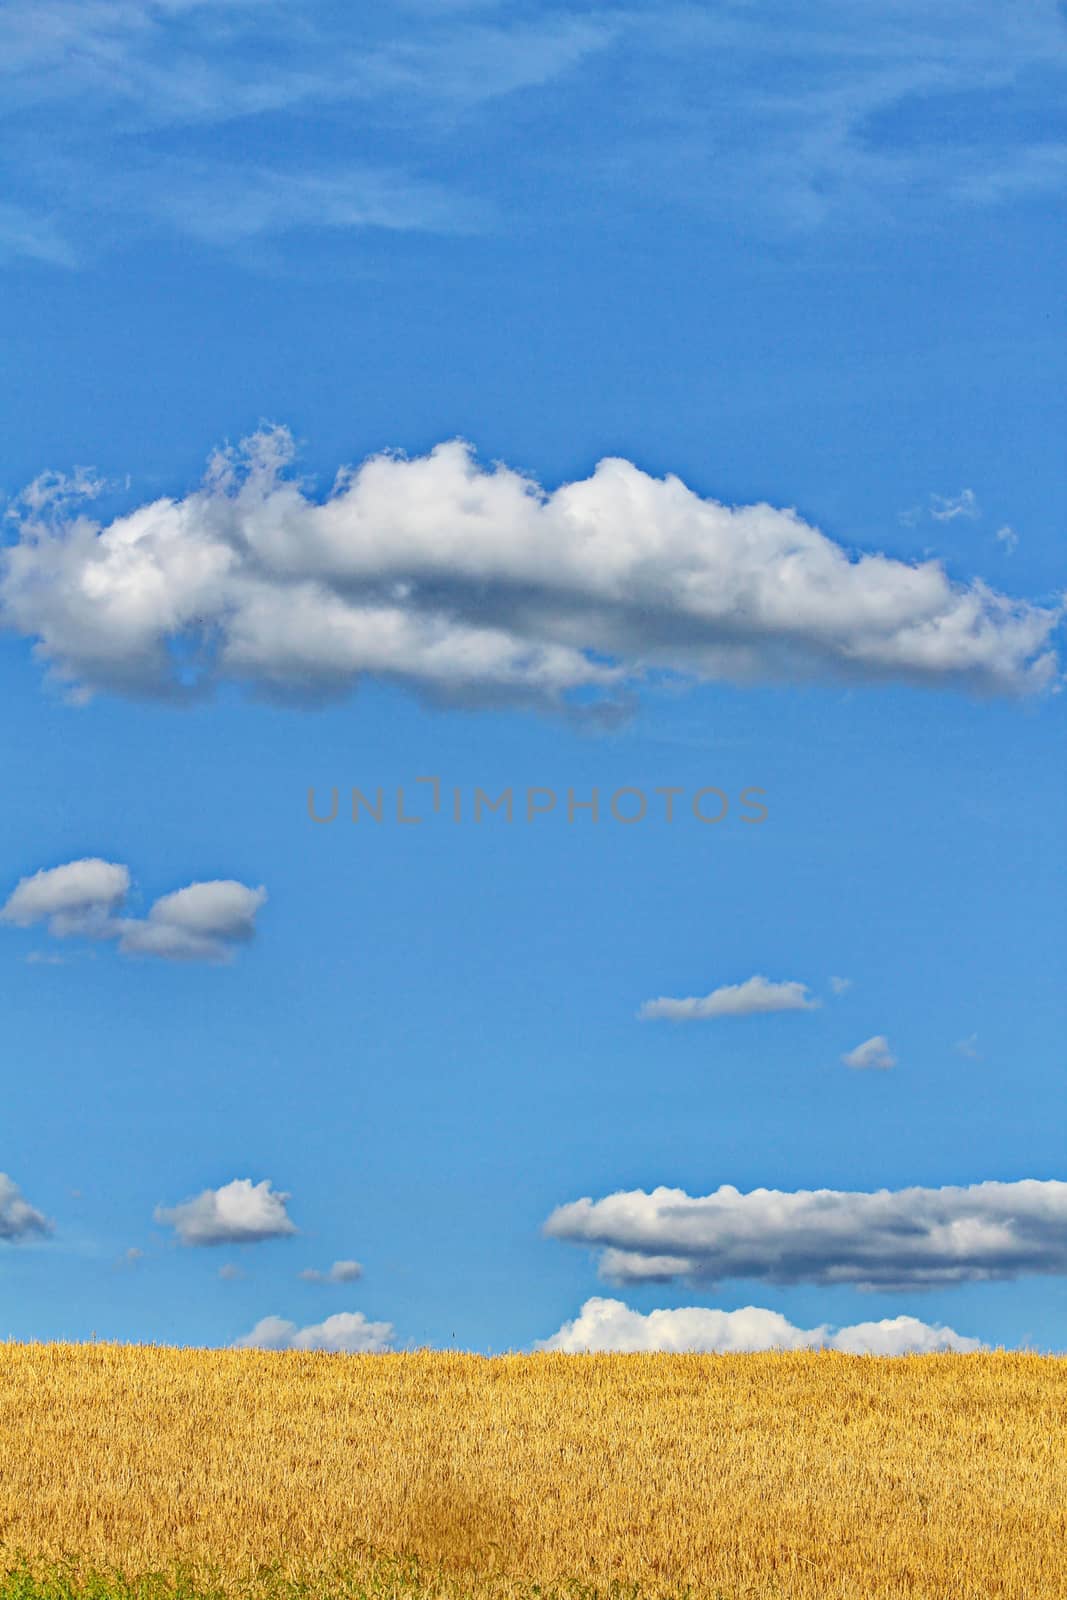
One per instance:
(799,277)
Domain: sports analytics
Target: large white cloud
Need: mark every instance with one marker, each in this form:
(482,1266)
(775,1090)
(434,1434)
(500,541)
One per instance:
(474,585)
(889,1239)
(241,1212)
(18,1219)
(202,922)
(753,997)
(611,1325)
(345,1331)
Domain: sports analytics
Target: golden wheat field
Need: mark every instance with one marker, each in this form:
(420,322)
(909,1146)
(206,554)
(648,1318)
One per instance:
(808,1476)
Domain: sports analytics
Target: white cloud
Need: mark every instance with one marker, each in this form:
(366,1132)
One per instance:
(18,1219)
(345,1331)
(610,1325)
(54,492)
(87,81)
(221,909)
(890,1239)
(226,208)
(1008,537)
(968,1047)
(77,897)
(202,922)
(340,1272)
(198,923)
(472,585)
(753,997)
(947,508)
(89,84)
(840,985)
(241,1212)
(871,1054)
(1037,169)
(32,236)
(900,1336)
(229,1272)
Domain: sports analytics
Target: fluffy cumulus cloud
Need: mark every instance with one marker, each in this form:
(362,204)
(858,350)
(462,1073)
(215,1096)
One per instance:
(199,923)
(18,1219)
(241,1212)
(347,1332)
(889,1239)
(611,1325)
(202,922)
(746,999)
(340,1272)
(79,897)
(474,585)
(872,1055)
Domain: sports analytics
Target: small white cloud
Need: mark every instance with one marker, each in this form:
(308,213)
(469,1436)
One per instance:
(345,1331)
(221,909)
(610,1325)
(202,922)
(229,1272)
(18,1219)
(57,492)
(1008,537)
(241,1212)
(840,985)
(968,1047)
(199,923)
(947,509)
(753,997)
(72,898)
(340,1272)
(872,1054)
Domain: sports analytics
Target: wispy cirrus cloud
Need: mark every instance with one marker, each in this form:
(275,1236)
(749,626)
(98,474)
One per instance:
(946,508)
(752,115)
(29,235)
(610,1325)
(474,585)
(755,997)
(229,208)
(890,1239)
(124,69)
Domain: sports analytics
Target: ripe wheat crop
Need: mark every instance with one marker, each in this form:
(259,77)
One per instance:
(803,1476)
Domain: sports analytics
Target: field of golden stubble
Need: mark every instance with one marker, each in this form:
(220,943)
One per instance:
(812,1476)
